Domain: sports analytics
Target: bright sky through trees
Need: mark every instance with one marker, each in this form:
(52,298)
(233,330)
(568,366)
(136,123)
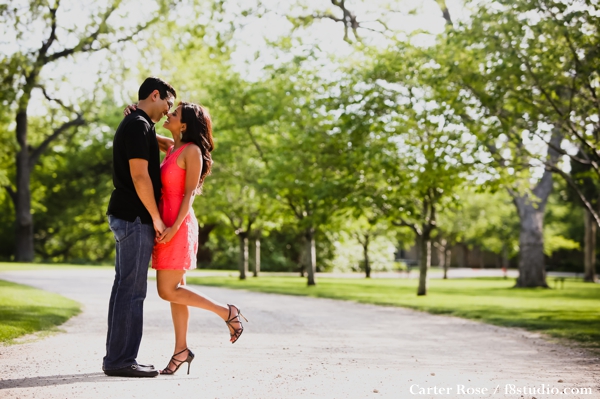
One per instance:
(251,53)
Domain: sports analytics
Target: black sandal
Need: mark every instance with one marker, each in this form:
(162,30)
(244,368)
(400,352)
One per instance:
(178,363)
(236,332)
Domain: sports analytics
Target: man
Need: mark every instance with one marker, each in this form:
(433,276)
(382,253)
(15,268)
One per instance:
(135,222)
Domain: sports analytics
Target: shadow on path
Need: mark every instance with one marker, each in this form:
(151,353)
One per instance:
(54,380)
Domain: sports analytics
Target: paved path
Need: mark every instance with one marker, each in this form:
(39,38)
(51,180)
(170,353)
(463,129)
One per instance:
(293,347)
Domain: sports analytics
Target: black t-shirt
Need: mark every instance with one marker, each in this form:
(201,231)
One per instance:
(135,138)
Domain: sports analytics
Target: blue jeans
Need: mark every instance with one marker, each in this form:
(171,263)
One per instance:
(134,242)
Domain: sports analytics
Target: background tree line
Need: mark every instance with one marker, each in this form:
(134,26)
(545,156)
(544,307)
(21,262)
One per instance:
(482,134)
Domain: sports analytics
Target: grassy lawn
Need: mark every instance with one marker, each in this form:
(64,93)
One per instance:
(25,310)
(572,312)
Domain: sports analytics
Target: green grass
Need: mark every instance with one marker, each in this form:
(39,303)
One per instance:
(25,310)
(572,312)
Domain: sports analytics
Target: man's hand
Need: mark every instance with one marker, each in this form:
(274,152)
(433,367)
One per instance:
(159,227)
(129,109)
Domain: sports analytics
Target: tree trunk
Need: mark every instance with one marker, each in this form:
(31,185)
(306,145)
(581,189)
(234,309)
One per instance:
(204,255)
(424,262)
(447,256)
(366,257)
(441,250)
(505,261)
(531,208)
(532,270)
(243,255)
(589,247)
(22,198)
(301,256)
(418,249)
(311,256)
(256,257)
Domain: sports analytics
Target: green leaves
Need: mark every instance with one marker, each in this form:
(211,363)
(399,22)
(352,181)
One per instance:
(389,135)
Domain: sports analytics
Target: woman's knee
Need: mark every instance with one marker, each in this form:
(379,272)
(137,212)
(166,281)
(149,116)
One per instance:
(167,284)
(165,293)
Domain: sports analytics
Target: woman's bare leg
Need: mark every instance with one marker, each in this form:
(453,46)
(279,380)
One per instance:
(171,287)
(181,317)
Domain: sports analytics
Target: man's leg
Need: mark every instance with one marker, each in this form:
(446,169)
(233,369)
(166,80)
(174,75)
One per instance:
(134,242)
(113,293)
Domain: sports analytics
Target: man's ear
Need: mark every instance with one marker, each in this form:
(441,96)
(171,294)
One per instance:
(155,95)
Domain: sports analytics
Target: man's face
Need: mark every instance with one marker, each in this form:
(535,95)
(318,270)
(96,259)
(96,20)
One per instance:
(163,105)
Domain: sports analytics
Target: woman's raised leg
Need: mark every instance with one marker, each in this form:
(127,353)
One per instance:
(171,287)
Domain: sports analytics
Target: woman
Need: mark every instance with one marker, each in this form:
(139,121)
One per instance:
(186,165)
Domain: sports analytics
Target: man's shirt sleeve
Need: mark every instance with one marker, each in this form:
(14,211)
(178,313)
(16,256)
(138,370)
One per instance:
(136,141)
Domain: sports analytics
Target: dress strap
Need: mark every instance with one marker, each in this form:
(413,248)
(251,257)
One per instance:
(179,149)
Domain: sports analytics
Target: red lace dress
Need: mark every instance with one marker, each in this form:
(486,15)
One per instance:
(180,252)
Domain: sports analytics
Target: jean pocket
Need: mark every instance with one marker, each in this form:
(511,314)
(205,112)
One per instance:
(121,228)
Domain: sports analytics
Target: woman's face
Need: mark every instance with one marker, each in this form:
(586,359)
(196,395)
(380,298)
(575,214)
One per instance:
(173,122)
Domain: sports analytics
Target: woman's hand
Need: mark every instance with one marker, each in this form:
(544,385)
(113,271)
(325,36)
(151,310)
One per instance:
(167,235)
(129,109)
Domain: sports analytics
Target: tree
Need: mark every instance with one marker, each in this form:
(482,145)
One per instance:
(70,191)
(242,195)
(423,185)
(582,177)
(366,230)
(481,75)
(310,168)
(23,74)
(414,158)
(556,45)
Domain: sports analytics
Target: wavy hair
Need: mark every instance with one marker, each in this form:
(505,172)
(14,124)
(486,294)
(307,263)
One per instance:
(198,131)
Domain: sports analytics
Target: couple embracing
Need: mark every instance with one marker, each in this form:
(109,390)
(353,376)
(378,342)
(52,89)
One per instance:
(150,214)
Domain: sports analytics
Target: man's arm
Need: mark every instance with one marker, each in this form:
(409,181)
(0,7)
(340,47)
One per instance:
(143,187)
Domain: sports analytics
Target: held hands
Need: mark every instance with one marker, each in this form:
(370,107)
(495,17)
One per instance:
(167,235)
(164,234)
(129,109)
(159,227)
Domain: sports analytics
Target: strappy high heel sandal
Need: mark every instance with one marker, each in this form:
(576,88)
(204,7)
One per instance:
(235,332)
(177,363)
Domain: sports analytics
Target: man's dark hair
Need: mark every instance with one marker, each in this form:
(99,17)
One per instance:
(151,84)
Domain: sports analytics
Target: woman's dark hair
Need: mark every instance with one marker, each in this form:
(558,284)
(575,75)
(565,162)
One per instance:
(151,84)
(198,131)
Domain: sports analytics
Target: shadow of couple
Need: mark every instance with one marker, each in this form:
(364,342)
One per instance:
(54,380)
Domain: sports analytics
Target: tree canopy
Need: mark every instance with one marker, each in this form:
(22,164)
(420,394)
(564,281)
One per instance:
(477,130)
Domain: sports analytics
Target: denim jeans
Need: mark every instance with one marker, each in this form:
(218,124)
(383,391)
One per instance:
(134,242)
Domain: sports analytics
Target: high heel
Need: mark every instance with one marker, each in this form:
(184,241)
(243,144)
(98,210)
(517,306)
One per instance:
(177,363)
(236,332)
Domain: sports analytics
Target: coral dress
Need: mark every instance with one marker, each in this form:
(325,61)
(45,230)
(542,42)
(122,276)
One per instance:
(180,252)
